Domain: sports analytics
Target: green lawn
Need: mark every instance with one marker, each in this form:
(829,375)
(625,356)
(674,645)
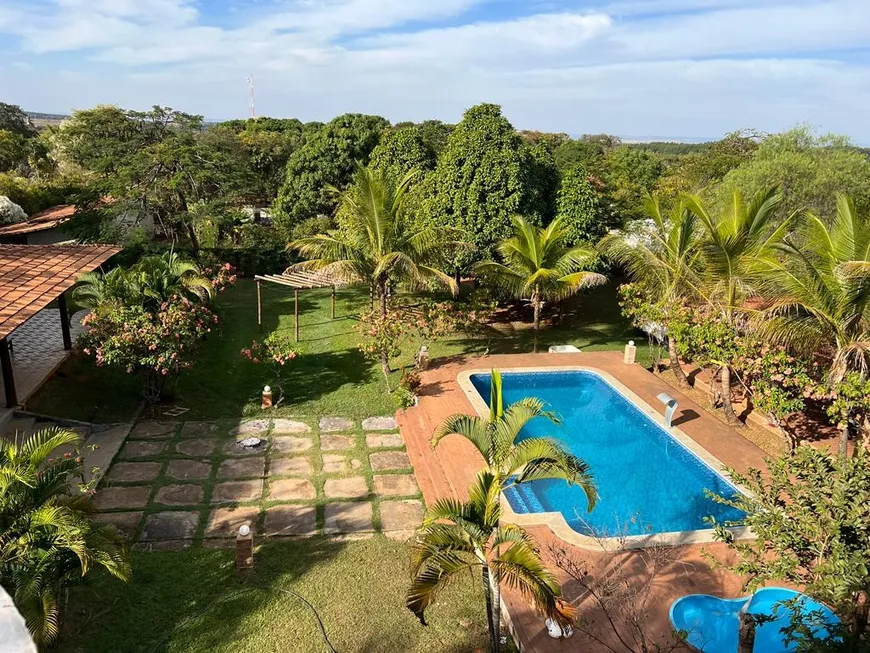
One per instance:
(192,601)
(330,377)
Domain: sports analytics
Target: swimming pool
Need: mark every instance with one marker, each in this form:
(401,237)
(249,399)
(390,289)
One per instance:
(649,483)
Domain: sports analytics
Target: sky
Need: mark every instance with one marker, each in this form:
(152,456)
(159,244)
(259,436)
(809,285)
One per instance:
(636,68)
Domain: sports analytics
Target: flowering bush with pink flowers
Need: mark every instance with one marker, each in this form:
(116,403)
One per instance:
(275,350)
(156,346)
(221,277)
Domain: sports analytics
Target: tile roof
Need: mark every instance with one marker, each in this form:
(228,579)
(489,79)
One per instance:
(33,276)
(41,221)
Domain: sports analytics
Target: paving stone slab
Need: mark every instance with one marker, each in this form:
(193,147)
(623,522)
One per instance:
(299,466)
(195,447)
(384,440)
(291,520)
(384,460)
(153,430)
(237,491)
(396,485)
(335,424)
(170,525)
(113,498)
(199,429)
(289,426)
(187,470)
(336,442)
(385,423)
(401,515)
(291,444)
(142,449)
(134,472)
(291,489)
(125,522)
(225,522)
(347,517)
(179,495)
(242,467)
(163,545)
(354,487)
(335,464)
(232,448)
(252,427)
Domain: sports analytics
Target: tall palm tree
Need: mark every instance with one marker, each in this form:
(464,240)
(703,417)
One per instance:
(47,538)
(736,245)
(539,267)
(821,295)
(510,459)
(378,244)
(458,538)
(663,262)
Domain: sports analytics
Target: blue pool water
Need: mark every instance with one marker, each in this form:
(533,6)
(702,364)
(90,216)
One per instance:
(647,481)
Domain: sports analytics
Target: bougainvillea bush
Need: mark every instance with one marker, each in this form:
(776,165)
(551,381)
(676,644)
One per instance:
(275,351)
(155,346)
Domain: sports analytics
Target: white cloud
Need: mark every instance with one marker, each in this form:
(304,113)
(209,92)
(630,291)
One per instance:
(706,67)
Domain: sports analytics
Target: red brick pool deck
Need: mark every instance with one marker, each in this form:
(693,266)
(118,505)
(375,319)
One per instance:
(448,471)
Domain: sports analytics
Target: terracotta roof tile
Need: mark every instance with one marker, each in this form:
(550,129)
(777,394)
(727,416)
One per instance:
(32,276)
(41,221)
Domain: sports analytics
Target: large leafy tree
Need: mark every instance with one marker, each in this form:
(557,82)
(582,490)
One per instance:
(539,267)
(481,180)
(810,516)
(821,296)
(630,173)
(581,207)
(736,245)
(327,159)
(663,261)
(459,537)
(401,151)
(47,538)
(14,120)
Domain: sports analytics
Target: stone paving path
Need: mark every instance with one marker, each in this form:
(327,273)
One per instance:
(175,484)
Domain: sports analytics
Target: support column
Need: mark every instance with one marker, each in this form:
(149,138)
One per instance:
(296,311)
(333,302)
(8,376)
(259,308)
(64,321)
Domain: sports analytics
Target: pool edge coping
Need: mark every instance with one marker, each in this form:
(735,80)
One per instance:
(556,521)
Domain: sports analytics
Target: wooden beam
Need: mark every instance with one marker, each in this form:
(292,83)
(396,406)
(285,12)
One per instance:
(296,311)
(64,322)
(8,375)
(259,308)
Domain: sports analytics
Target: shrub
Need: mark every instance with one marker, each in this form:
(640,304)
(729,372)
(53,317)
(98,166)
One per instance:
(275,350)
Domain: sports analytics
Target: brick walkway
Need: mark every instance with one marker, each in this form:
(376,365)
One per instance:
(37,349)
(449,469)
(178,484)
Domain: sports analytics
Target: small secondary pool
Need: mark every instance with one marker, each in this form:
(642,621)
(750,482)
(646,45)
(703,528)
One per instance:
(648,482)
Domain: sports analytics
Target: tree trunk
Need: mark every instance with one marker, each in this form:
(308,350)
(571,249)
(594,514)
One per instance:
(746,634)
(675,366)
(730,415)
(385,358)
(844,438)
(494,644)
(537,303)
(457,277)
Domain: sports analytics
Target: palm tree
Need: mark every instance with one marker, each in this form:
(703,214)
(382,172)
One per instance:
(539,267)
(737,244)
(378,244)
(457,538)
(821,295)
(47,538)
(151,281)
(663,262)
(510,459)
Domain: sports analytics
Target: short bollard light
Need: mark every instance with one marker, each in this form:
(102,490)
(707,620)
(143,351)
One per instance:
(630,353)
(670,407)
(267,398)
(244,548)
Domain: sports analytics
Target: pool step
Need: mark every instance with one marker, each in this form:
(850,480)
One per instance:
(524,500)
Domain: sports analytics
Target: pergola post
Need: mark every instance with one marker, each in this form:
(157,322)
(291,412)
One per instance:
(296,311)
(8,376)
(333,302)
(259,308)
(64,321)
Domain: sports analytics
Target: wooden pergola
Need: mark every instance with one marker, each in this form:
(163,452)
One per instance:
(298,281)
